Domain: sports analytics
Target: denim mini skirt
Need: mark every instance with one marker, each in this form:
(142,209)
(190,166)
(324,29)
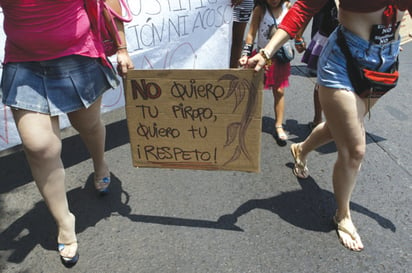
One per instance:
(56,86)
(332,71)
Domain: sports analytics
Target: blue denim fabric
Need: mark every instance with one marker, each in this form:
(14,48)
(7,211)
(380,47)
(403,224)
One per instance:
(332,70)
(56,86)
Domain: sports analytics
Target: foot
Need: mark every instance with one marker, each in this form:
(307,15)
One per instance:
(102,185)
(347,234)
(300,169)
(281,133)
(102,180)
(67,242)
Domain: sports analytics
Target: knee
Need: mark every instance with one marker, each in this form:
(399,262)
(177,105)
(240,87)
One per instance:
(278,93)
(43,148)
(355,156)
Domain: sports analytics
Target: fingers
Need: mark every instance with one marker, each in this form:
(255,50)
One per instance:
(257,62)
(124,67)
(300,47)
(124,64)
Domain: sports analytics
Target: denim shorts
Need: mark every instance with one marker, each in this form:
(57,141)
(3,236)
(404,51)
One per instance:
(56,86)
(332,71)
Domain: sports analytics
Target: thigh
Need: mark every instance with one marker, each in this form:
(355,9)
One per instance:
(38,132)
(344,112)
(86,118)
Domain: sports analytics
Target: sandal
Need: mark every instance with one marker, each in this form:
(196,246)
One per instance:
(68,261)
(102,185)
(300,169)
(282,136)
(339,226)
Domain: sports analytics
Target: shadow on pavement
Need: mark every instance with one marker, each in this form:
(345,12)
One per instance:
(73,152)
(310,208)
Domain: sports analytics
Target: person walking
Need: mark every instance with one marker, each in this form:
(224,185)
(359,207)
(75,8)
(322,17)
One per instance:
(368,36)
(266,16)
(53,65)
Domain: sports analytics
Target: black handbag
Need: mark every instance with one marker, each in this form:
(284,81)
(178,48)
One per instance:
(367,82)
(286,53)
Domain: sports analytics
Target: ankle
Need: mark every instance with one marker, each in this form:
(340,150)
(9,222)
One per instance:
(342,215)
(101,171)
(302,155)
(66,229)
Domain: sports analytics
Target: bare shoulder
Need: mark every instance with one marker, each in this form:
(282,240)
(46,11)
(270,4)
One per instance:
(259,11)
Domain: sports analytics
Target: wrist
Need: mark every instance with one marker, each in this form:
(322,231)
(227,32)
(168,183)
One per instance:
(122,48)
(266,56)
(299,40)
(247,50)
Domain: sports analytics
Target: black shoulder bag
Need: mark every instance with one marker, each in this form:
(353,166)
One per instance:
(286,53)
(367,82)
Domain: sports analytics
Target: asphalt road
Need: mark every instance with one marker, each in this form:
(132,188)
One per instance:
(186,221)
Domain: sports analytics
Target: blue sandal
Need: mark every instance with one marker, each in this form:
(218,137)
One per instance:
(67,261)
(102,185)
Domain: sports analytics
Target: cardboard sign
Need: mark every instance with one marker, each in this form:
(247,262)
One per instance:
(195,119)
(405,29)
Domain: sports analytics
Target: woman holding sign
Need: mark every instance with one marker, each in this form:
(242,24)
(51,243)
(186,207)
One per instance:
(368,37)
(53,65)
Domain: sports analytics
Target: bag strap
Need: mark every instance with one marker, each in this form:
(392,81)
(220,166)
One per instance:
(110,16)
(271,14)
(124,6)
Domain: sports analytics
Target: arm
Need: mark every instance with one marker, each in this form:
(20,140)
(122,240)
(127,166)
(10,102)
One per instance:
(300,44)
(124,63)
(300,13)
(251,35)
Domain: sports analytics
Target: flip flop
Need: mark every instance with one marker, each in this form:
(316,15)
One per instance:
(352,233)
(300,168)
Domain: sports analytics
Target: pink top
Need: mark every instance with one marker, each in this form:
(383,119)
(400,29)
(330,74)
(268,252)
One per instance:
(39,30)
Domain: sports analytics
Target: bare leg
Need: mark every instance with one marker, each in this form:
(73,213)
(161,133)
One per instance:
(93,133)
(40,135)
(238,31)
(317,118)
(319,136)
(279,108)
(344,112)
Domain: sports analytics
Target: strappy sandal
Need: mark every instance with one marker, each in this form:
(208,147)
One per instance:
(353,234)
(102,185)
(300,169)
(282,136)
(68,261)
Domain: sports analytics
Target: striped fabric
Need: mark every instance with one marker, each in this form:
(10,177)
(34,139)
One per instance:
(242,12)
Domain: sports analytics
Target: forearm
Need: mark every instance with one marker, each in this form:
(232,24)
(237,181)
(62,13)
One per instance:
(277,40)
(115,5)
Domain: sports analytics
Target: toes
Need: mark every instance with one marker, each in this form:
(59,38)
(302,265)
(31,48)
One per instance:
(68,251)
